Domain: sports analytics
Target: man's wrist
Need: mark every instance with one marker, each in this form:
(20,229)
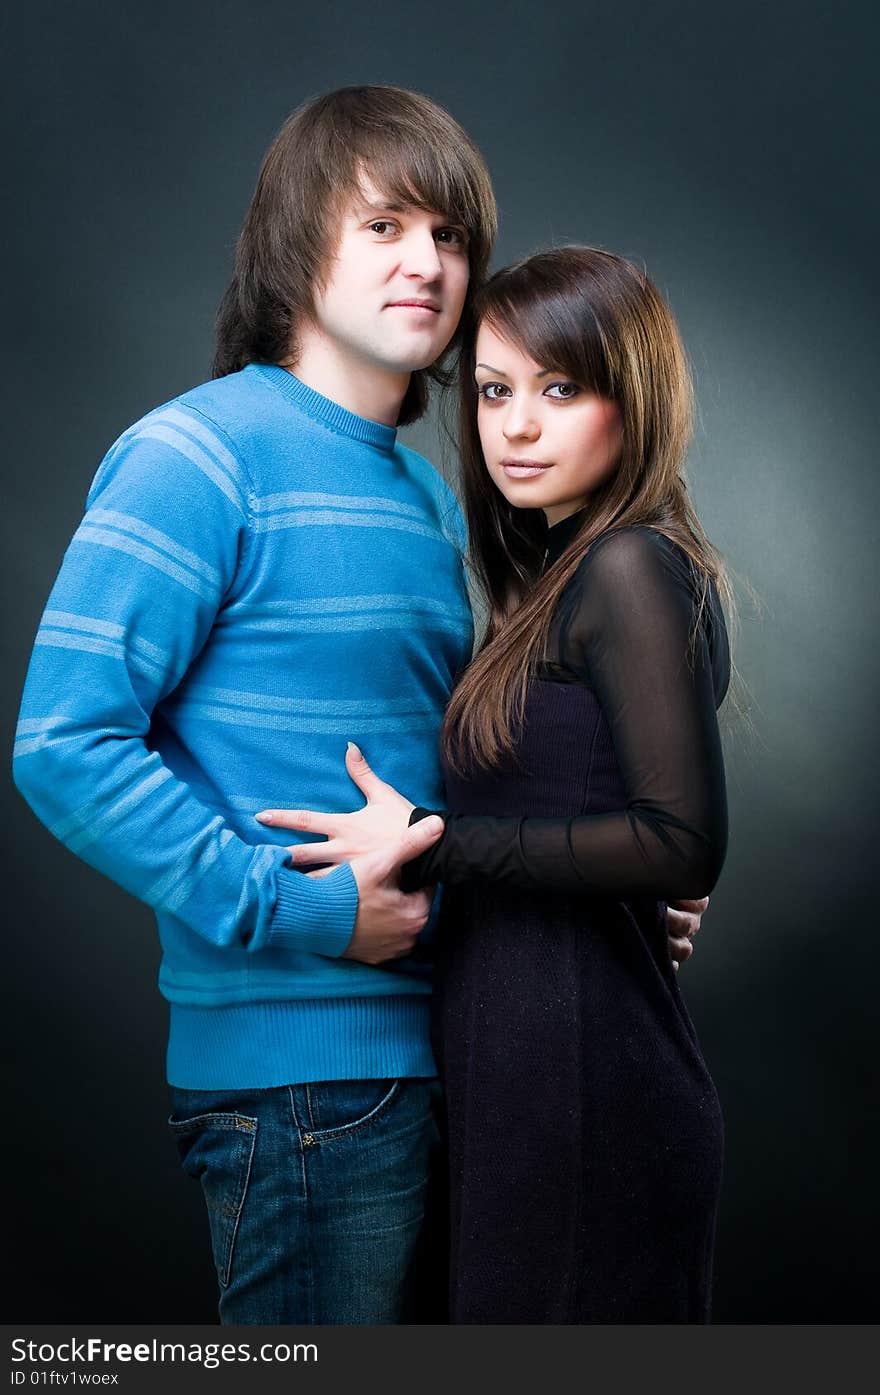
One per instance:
(316,914)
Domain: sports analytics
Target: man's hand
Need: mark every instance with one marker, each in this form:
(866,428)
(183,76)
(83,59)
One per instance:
(389,920)
(682,923)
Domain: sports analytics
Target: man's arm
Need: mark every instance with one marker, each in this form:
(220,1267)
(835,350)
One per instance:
(165,532)
(683,919)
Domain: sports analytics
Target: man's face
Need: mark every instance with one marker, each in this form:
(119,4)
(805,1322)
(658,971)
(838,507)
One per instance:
(396,284)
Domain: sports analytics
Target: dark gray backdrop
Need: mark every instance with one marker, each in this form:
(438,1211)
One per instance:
(727,147)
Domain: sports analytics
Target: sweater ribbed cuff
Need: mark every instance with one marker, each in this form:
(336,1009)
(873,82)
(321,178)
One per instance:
(316,914)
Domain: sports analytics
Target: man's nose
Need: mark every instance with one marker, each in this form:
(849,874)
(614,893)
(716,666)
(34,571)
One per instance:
(420,256)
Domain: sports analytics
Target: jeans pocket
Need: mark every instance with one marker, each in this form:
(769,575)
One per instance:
(341,1107)
(217,1150)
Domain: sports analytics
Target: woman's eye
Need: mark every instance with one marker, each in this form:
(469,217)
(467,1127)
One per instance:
(562,392)
(492,392)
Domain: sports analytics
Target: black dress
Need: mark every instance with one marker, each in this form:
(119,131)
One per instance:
(585,1133)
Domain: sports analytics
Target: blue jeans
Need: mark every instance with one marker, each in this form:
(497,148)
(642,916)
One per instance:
(317,1198)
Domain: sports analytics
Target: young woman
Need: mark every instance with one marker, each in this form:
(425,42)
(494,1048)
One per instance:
(584,785)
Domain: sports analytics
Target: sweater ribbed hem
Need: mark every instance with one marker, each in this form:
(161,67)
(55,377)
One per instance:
(314,913)
(314,404)
(260,1045)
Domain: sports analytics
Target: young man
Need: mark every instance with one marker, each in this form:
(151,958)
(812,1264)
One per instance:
(263,572)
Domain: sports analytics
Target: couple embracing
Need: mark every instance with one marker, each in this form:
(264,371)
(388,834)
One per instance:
(265,602)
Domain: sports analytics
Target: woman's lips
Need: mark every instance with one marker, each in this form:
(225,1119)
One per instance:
(523,469)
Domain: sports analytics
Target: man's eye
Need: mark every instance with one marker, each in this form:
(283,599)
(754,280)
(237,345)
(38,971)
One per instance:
(381,226)
(562,392)
(453,237)
(492,392)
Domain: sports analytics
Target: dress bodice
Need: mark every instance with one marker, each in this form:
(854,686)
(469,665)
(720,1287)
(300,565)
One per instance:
(615,785)
(564,762)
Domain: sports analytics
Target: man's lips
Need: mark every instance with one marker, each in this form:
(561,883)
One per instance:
(524,469)
(426,306)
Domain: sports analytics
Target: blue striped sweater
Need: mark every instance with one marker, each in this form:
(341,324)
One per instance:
(260,576)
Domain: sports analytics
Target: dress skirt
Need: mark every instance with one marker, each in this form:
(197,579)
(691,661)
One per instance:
(585,1133)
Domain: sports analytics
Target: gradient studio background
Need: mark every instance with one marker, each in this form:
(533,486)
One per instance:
(727,147)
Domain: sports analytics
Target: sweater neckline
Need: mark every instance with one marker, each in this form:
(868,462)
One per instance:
(324,409)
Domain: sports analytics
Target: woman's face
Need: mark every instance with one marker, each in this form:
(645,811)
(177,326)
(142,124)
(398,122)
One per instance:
(548,442)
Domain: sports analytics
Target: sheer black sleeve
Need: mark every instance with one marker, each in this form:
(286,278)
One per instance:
(626,629)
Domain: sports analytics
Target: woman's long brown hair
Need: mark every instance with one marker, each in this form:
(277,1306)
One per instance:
(598,320)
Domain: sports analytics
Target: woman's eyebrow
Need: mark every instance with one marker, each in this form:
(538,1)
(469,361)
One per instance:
(501,374)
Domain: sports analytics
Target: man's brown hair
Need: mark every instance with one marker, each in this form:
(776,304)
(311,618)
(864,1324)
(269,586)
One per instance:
(411,149)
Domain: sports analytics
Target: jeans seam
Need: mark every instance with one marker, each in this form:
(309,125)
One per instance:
(227,1278)
(307,1203)
(309,1109)
(229,1122)
(242,1123)
(372,1116)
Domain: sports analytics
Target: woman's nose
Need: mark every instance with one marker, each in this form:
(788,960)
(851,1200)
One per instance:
(520,423)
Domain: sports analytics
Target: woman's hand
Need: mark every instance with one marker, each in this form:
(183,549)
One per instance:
(382,821)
